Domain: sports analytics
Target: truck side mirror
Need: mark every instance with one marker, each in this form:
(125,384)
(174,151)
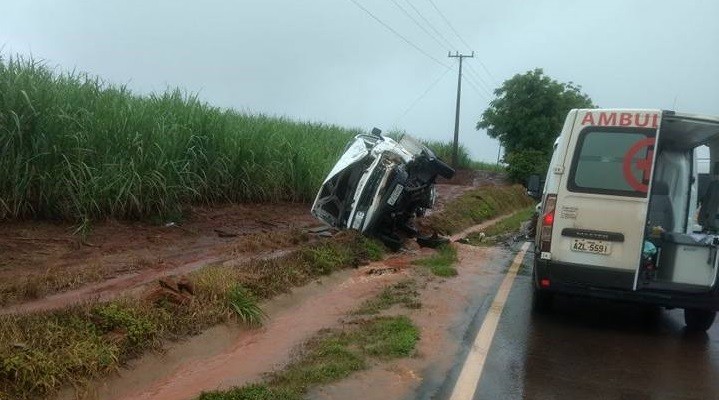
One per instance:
(377,132)
(534,186)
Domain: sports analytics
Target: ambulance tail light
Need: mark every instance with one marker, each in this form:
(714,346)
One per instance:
(545,239)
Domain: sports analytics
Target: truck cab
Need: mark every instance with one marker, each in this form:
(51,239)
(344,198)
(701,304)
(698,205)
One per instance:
(621,217)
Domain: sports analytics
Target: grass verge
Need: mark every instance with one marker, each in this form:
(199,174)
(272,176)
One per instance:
(39,353)
(478,205)
(48,282)
(403,293)
(335,354)
(332,356)
(442,262)
(53,280)
(489,235)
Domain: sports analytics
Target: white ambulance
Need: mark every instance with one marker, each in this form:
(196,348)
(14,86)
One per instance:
(620,215)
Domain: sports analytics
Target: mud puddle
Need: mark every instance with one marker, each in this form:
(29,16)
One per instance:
(130,284)
(59,268)
(228,356)
(120,257)
(448,307)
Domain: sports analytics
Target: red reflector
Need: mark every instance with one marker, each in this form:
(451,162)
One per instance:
(549,218)
(544,283)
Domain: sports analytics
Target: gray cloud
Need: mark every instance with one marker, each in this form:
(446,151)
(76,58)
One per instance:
(326,60)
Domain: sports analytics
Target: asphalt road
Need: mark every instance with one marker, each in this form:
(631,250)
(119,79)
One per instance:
(588,349)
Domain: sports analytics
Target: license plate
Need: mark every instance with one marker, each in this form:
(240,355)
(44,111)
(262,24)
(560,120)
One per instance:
(591,246)
(395,194)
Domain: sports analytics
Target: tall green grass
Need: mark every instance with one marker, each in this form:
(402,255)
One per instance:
(443,150)
(74,147)
(479,205)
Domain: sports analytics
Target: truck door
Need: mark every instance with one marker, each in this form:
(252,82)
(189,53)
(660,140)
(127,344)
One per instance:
(602,196)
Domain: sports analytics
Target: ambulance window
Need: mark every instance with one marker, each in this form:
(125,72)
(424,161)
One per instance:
(613,161)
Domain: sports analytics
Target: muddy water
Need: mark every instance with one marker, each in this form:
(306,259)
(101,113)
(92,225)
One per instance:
(130,253)
(227,356)
(105,290)
(132,284)
(448,307)
(224,356)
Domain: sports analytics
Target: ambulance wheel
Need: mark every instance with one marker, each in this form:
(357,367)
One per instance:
(542,301)
(698,320)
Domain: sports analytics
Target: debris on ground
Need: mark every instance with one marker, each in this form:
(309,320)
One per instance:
(225,234)
(170,289)
(381,271)
(323,231)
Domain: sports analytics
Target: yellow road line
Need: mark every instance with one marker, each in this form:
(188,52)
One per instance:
(474,364)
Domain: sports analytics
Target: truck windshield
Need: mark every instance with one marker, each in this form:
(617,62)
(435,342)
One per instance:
(613,161)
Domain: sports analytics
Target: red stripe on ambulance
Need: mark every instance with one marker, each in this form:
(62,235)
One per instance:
(638,119)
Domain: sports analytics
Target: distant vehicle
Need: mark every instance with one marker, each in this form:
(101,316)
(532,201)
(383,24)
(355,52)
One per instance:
(621,217)
(379,185)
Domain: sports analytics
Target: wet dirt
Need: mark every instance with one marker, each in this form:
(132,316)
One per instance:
(475,178)
(448,307)
(127,254)
(235,355)
(463,181)
(228,356)
(130,255)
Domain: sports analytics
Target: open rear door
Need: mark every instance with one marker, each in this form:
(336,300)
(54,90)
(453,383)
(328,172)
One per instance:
(686,258)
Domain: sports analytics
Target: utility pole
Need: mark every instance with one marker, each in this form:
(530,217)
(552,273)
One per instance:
(455,147)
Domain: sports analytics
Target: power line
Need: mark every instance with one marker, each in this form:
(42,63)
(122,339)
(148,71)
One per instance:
(478,78)
(447,42)
(449,24)
(484,67)
(418,99)
(389,28)
(404,11)
(441,14)
(476,89)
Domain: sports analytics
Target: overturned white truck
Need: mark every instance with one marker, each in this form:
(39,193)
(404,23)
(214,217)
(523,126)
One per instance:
(379,185)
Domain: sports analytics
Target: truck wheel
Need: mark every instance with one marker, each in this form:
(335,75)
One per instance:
(698,320)
(392,241)
(542,301)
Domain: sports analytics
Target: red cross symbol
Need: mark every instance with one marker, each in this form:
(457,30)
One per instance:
(644,164)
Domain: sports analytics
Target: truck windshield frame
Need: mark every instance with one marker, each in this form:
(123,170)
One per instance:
(612,164)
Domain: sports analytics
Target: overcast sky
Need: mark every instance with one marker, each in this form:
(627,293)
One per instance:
(329,61)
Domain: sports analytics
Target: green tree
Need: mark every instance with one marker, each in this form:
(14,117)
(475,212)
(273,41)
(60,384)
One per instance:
(526,117)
